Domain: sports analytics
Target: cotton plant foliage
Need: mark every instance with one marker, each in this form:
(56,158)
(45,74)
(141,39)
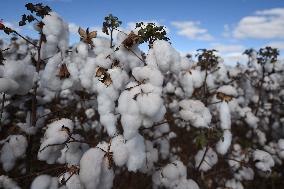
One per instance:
(87,114)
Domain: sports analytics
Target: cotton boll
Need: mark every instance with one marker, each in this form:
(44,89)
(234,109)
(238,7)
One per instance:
(210,159)
(94,169)
(261,136)
(130,124)
(234,184)
(173,175)
(149,104)
(21,72)
(49,76)
(224,144)
(128,60)
(251,119)
(14,148)
(73,182)
(109,122)
(44,182)
(136,149)
(107,176)
(225,116)
(264,160)
(7,183)
(167,58)
(152,75)
(186,184)
(228,90)
(8,86)
(57,35)
(195,112)
(90,168)
(57,133)
(191,80)
(281,148)
(72,153)
(90,113)
(119,77)
(245,173)
(120,151)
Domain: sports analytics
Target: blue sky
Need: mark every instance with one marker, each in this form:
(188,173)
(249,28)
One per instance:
(228,25)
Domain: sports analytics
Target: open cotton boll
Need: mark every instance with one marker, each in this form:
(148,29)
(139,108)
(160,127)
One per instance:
(234,184)
(186,184)
(119,149)
(151,75)
(171,174)
(224,144)
(13,149)
(49,76)
(128,60)
(109,120)
(251,119)
(137,155)
(264,160)
(245,173)
(8,86)
(151,157)
(209,161)
(21,72)
(90,168)
(73,182)
(57,35)
(225,116)
(190,80)
(7,183)
(167,58)
(195,112)
(72,153)
(228,90)
(150,104)
(87,73)
(45,182)
(281,148)
(57,133)
(94,171)
(131,119)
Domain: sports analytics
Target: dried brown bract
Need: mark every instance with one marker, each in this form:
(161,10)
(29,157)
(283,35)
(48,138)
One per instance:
(104,76)
(87,36)
(63,72)
(132,39)
(224,97)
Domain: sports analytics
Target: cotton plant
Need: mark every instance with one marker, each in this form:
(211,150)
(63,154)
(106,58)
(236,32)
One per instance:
(102,108)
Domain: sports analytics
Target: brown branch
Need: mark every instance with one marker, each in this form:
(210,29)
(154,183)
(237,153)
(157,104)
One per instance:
(203,157)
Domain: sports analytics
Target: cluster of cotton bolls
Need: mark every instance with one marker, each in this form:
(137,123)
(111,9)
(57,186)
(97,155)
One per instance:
(163,115)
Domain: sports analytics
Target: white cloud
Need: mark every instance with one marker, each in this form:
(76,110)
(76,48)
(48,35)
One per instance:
(222,48)
(276,44)
(264,24)
(234,58)
(192,30)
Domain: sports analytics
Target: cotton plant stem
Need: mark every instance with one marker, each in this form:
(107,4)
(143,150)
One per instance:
(2,107)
